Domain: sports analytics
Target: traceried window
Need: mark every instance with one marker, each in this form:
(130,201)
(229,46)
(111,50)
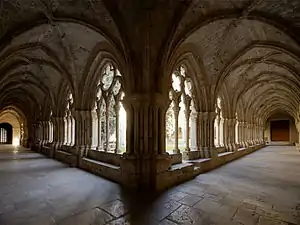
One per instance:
(109,115)
(3,135)
(180,116)
(69,137)
(218,125)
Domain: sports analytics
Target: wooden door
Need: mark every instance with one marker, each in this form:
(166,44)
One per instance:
(280,130)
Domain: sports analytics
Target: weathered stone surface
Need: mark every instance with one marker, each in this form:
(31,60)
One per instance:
(241,63)
(38,190)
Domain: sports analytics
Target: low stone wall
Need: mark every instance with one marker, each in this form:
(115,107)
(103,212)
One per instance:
(102,169)
(66,154)
(67,148)
(177,174)
(191,155)
(66,157)
(108,157)
(221,149)
(169,171)
(223,158)
(176,158)
(47,150)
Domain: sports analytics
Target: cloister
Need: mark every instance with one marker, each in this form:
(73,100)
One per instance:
(149,94)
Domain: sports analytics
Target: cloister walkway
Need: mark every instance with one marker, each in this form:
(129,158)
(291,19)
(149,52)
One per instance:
(261,188)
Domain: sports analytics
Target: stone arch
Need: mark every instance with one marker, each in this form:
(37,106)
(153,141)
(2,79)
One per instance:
(189,57)
(102,55)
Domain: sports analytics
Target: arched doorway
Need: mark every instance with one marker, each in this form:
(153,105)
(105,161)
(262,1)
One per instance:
(15,125)
(280,130)
(6,133)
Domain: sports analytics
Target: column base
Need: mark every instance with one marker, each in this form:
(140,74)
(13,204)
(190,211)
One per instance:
(210,153)
(233,147)
(191,155)
(99,148)
(176,151)
(144,171)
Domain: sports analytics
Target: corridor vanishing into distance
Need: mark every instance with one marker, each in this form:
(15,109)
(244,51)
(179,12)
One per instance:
(107,99)
(261,188)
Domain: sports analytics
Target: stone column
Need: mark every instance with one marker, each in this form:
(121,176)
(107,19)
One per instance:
(207,135)
(83,132)
(256,134)
(39,135)
(46,132)
(195,152)
(232,124)
(244,127)
(250,133)
(194,131)
(211,146)
(145,162)
(43,134)
(225,134)
(107,104)
(58,131)
(200,134)
(176,110)
(221,132)
(187,113)
(262,128)
(99,146)
(95,133)
(117,110)
(241,134)
(67,130)
(218,130)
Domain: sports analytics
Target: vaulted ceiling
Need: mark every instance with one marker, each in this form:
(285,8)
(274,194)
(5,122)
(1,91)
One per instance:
(246,51)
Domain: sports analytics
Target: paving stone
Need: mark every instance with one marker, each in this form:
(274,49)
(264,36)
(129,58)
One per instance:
(248,217)
(163,210)
(190,200)
(270,221)
(92,217)
(121,221)
(115,208)
(187,215)
(177,195)
(167,222)
(41,191)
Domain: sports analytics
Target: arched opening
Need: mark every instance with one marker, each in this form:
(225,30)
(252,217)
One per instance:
(13,127)
(218,125)
(280,128)
(236,129)
(109,115)
(181,116)
(69,123)
(6,134)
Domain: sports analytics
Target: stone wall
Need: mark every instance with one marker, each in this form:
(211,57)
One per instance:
(107,157)
(293,131)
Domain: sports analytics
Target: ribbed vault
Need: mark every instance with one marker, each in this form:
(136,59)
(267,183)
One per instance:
(250,61)
(245,51)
